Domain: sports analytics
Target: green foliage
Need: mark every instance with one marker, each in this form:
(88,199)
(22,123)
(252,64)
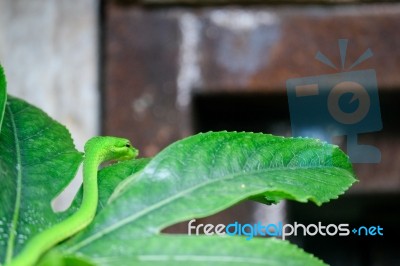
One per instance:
(37,161)
(195,177)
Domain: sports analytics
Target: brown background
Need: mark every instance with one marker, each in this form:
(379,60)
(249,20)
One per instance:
(172,70)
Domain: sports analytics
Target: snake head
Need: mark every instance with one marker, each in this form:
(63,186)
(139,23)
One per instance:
(111,148)
(123,150)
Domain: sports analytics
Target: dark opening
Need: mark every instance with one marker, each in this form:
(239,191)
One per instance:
(269,113)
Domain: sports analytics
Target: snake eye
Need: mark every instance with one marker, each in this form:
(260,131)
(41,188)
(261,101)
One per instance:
(128,145)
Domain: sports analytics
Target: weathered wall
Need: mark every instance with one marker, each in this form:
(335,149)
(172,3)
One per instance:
(49,52)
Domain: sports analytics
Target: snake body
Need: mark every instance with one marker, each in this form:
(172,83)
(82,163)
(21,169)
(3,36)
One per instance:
(97,151)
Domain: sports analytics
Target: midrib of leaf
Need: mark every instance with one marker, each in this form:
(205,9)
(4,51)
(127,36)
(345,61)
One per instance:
(13,227)
(120,189)
(197,258)
(3,96)
(159,204)
(121,186)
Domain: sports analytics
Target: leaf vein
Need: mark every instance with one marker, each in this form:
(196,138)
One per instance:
(13,226)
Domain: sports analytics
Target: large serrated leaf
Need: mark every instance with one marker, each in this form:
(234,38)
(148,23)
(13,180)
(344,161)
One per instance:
(37,160)
(206,173)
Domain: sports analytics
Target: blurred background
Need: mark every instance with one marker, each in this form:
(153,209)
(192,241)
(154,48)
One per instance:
(156,71)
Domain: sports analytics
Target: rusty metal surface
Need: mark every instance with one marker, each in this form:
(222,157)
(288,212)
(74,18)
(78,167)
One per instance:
(141,66)
(260,49)
(157,59)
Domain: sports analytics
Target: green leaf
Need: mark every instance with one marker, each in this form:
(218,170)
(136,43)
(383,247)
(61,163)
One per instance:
(176,250)
(3,94)
(207,173)
(37,160)
(109,178)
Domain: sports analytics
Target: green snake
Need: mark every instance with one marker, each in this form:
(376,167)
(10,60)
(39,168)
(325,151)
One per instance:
(97,151)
